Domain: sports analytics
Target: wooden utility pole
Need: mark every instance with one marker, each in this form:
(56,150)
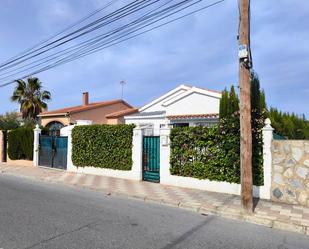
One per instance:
(245,107)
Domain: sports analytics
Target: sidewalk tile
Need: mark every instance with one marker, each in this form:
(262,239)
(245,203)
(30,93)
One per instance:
(271,214)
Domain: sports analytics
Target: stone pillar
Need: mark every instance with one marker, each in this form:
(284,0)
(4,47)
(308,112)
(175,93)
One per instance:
(267,157)
(164,154)
(36,144)
(137,152)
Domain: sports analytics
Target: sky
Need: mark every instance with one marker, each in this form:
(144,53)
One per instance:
(200,50)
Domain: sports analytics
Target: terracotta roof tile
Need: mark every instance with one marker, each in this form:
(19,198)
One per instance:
(80,108)
(193,116)
(122,113)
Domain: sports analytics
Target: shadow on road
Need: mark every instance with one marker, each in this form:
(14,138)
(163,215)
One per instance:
(187,234)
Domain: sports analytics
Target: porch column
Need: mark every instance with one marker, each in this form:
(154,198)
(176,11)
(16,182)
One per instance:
(164,154)
(36,144)
(137,152)
(267,157)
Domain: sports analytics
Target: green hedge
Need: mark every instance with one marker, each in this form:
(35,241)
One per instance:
(206,153)
(103,146)
(20,144)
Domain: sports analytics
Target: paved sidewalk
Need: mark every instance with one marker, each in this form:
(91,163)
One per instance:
(282,216)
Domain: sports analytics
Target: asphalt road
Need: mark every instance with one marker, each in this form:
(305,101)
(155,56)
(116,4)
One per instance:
(41,215)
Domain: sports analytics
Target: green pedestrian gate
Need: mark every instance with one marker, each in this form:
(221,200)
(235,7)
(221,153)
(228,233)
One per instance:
(151,158)
(53,151)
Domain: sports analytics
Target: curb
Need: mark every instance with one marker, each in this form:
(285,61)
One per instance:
(225,213)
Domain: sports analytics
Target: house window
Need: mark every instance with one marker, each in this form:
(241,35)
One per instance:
(180,125)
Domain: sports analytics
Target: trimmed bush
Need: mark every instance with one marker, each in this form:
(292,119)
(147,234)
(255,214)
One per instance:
(20,144)
(207,153)
(103,146)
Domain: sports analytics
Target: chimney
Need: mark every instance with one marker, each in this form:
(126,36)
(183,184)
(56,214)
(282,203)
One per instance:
(85,98)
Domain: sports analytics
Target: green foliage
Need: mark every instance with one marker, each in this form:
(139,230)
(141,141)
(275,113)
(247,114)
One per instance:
(214,153)
(31,97)
(103,146)
(20,144)
(289,125)
(233,105)
(29,123)
(9,121)
(229,103)
(205,153)
(258,116)
(224,104)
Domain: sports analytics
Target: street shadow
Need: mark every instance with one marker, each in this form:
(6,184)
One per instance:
(255,203)
(187,234)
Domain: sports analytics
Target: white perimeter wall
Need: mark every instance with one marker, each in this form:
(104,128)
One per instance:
(165,176)
(134,174)
(214,186)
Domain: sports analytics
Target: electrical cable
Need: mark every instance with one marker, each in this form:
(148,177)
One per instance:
(114,43)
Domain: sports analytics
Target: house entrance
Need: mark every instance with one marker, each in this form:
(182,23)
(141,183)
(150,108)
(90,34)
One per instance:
(53,151)
(151,158)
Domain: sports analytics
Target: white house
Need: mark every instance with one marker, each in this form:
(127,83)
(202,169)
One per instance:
(182,106)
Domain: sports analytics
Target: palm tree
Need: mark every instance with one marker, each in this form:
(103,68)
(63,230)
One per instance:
(31,97)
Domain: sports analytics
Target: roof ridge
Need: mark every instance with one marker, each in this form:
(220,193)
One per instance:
(122,113)
(78,108)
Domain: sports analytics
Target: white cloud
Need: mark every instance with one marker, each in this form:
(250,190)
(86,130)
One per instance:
(201,50)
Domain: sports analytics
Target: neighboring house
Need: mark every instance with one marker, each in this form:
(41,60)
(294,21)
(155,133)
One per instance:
(96,112)
(182,106)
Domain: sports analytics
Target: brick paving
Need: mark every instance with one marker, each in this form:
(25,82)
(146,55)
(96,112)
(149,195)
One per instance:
(271,214)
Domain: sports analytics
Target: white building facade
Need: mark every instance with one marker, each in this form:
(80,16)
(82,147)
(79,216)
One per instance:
(182,106)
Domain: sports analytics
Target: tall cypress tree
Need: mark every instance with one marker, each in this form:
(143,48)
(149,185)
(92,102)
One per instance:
(258,111)
(224,104)
(233,105)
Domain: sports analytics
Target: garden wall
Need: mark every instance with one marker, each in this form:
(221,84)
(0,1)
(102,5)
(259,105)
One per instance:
(290,171)
(215,185)
(134,172)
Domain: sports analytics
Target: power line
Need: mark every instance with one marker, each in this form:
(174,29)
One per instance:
(127,7)
(94,40)
(91,14)
(117,40)
(178,4)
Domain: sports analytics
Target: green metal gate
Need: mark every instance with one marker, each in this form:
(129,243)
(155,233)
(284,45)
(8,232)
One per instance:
(151,159)
(53,151)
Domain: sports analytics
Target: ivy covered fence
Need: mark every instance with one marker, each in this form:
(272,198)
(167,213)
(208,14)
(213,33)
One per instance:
(103,146)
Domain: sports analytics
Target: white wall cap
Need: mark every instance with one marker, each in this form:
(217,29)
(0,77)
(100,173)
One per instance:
(268,124)
(37,128)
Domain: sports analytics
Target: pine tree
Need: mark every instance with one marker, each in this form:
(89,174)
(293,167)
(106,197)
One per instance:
(289,125)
